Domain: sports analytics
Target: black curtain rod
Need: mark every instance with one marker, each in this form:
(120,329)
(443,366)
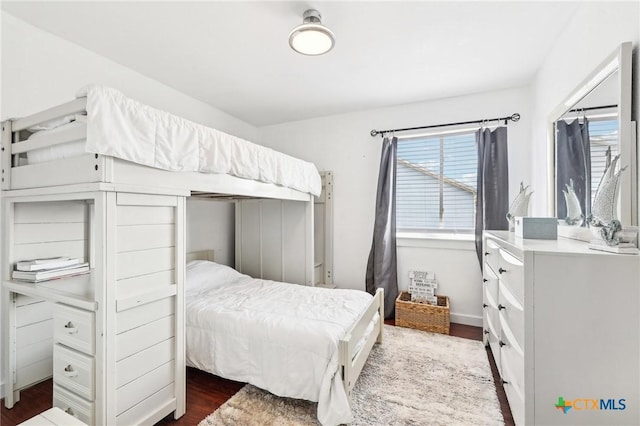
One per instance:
(593,108)
(514,117)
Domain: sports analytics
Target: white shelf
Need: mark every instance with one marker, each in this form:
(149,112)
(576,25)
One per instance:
(74,291)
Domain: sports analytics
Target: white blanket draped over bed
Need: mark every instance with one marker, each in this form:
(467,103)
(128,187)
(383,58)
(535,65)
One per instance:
(124,128)
(277,336)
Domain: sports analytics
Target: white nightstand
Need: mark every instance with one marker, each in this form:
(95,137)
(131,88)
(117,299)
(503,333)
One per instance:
(53,417)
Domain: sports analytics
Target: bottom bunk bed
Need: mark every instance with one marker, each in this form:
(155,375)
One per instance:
(291,340)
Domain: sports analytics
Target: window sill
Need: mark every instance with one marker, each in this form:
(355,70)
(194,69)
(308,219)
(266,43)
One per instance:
(436,240)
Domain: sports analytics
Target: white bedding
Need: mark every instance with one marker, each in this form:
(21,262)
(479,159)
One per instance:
(277,336)
(124,128)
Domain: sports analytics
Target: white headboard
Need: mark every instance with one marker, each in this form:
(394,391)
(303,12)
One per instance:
(200,255)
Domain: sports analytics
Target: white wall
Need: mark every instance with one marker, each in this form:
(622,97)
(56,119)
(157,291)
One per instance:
(40,70)
(211,226)
(343,145)
(595,31)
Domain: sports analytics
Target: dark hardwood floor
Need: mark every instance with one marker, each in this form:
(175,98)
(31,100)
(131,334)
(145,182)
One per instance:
(206,392)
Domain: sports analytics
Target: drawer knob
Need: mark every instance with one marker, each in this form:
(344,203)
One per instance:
(502,271)
(484,305)
(69,410)
(484,280)
(69,371)
(501,343)
(71,329)
(486,331)
(501,307)
(504,382)
(486,253)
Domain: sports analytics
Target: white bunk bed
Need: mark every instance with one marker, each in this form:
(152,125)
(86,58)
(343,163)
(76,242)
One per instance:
(118,334)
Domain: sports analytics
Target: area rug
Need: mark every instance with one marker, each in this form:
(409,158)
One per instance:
(412,378)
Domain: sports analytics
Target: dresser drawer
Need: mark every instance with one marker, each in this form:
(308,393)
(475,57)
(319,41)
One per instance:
(492,335)
(73,404)
(512,314)
(491,256)
(74,328)
(74,370)
(512,359)
(490,284)
(511,273)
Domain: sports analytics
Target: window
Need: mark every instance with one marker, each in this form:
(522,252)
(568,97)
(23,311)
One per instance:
(436,179)
(603,134)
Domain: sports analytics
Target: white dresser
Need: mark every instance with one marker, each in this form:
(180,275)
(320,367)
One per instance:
(563,322)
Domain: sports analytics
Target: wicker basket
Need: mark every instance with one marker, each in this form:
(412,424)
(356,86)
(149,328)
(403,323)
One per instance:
(423,316)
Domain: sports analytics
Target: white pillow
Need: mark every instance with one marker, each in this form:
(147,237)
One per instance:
(57,122)
(202,274)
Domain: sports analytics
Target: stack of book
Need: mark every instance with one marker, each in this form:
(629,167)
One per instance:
(38,270)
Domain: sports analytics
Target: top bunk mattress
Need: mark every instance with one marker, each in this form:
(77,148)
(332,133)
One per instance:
(121,127)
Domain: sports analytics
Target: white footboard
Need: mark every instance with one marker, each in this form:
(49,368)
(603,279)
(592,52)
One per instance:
(351,363)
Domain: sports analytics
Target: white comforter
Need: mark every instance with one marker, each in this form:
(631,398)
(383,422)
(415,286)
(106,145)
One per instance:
(124,128)
(277,336)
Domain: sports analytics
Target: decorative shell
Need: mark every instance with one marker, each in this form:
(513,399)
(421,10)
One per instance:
(520,205)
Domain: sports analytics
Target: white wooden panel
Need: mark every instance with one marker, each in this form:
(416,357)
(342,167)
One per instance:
(144,298)
(136,263)
(34,333)
(6,157)
(318,233)
(250,262)
(131,286)
(34,373)
(133,318)
(141,237)
(137,413)
(132,393)
(62,136)
(49,232)
(144,361)
(143,337)
(69,108)
(36,352)
(126,172)
(66,171)
(129,199)
(38,421)
(50,212)
(34,312)
(58,417)
(145,215)
(295,243)
(271,240)
(22,300)
(41,250)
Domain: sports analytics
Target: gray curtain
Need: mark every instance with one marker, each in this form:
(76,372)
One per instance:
(492,200)
(573,161)
(382,270)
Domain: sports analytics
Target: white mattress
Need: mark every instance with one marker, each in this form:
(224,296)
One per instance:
(124,128)
(277,336)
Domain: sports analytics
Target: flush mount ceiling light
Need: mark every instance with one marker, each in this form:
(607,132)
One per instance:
(311,38)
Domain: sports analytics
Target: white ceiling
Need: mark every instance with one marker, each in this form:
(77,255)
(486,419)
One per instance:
(235,55)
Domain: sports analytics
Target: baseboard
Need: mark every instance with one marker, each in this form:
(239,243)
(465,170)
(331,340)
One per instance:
(2,390)
(466,319)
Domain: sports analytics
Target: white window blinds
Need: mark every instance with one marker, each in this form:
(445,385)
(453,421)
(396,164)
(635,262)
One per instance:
(436,180)
(603,134)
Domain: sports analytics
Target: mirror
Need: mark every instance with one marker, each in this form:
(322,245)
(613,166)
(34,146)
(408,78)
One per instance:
(588,131)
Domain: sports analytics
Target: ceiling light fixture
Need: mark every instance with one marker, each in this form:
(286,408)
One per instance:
(311,38)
